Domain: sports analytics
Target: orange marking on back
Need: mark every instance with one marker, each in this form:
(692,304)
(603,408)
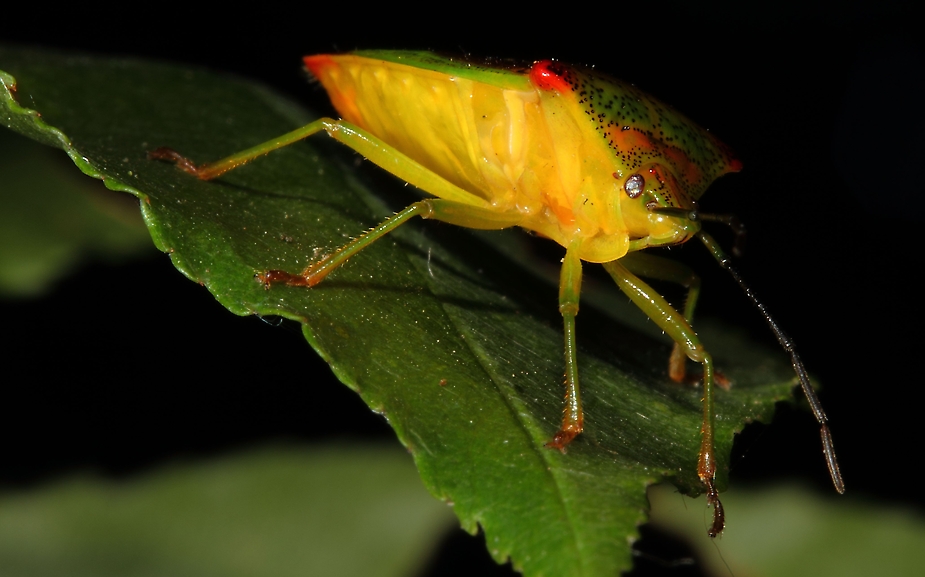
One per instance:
(691,172)
(627,140)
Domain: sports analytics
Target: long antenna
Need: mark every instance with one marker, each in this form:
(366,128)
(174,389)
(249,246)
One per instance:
(828,449)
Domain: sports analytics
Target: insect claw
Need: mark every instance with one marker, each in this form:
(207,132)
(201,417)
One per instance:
(171,155)
(719,514)
(562,439)
(277,276)
(264,278)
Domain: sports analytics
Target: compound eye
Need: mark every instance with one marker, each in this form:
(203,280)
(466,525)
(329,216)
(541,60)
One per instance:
(635,185)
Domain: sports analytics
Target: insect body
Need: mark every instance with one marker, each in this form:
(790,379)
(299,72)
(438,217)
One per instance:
(591,162)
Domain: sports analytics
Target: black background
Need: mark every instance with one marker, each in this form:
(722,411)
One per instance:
(823,108)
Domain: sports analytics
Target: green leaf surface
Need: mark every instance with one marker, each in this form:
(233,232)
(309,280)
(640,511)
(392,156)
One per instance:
(454,337)
(274,512)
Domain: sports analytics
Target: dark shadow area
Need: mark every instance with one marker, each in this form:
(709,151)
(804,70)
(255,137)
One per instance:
(122,368)
(460,553)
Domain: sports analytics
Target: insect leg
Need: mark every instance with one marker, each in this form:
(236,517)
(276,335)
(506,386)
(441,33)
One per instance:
(213,169)
(659,268)
(828,448)
(674,324)
(438,209)
(373,148)
(569,291)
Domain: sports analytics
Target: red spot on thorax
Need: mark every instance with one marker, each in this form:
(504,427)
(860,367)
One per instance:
(549,75)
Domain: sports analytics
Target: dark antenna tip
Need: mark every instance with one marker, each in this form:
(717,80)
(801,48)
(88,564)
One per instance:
(828,448)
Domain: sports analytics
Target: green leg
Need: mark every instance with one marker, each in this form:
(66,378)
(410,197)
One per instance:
(439,209)
(569,291)
(659,268)
(214,169)
(356,138)
(675,325)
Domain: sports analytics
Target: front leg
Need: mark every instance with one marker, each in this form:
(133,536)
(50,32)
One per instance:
(660,268)
(675,325)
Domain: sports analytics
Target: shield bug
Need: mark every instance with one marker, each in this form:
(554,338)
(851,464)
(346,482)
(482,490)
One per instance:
(588,161)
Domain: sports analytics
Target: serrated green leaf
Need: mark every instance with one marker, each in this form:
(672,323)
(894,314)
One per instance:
(457,343)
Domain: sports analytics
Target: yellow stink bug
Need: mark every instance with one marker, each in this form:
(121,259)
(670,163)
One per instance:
(591,162)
